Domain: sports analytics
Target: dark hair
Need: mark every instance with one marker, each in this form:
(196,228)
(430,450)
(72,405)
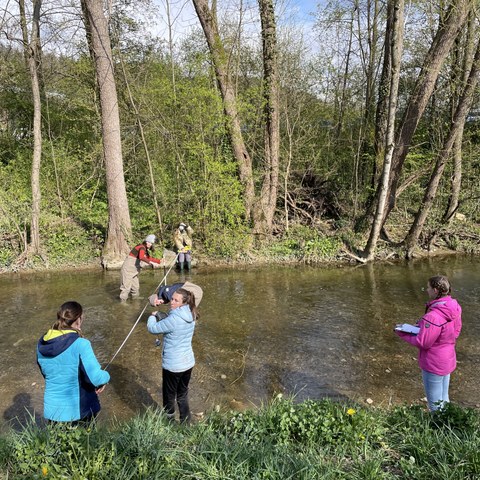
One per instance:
(188,298)
(441,284)
(68,314)
(152,246)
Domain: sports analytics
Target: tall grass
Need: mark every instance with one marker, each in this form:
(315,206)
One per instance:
(281,440)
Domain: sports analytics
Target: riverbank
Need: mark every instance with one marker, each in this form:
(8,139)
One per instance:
(309,440)
(341,258)
(325,245)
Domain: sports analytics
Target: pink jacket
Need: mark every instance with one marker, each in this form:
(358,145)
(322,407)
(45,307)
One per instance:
(439,329)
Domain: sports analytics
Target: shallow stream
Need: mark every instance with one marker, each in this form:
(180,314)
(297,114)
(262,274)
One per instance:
(306,331)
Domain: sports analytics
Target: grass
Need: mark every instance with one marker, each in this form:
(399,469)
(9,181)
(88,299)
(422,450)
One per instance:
(282,440)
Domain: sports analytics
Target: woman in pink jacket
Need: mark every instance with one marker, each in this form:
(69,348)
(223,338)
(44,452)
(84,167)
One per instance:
(439,330)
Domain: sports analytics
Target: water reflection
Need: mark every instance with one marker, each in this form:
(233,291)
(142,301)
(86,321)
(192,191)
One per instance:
(308,331)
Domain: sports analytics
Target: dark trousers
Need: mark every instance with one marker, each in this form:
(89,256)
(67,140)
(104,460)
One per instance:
(175,387)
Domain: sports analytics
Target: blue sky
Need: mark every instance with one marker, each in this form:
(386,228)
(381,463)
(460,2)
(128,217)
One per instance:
(305,8)
(183,13)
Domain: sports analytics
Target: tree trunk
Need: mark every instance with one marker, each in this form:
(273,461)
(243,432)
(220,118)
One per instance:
(208,20)
(454,198)
(33,60)
(395,47)
(463,107)
(381,114)
(369,61)
(442,43)
(343,97)
(263,217)
(468,54)
(119,227)
(381,121)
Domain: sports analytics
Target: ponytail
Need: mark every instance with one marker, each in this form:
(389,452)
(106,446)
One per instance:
(68,314)
(188,298)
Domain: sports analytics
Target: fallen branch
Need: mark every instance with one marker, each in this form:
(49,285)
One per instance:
(244,355)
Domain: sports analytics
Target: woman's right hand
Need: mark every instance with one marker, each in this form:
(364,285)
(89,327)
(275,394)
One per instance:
(100,389)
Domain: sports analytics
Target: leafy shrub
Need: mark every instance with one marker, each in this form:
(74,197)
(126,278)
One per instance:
(305,243)
(66,242)
(288,248)
(322,422)
(457,418)
(6,257)
(55,452)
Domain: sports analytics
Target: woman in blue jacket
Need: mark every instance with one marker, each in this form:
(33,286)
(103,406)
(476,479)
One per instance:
(73,376)
(177,357)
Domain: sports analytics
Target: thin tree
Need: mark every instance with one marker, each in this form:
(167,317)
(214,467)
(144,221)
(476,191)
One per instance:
(458,120)
(369,61)
(468,53)
(393,58)
(32,53)
(119,226)
(343,97)
(381,114)
(447,32)
(381,121)
(263,217)
(208,19)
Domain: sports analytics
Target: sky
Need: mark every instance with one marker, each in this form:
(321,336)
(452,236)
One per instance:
(183,16)
(292,13)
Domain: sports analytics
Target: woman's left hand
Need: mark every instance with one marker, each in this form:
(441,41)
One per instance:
(100,389)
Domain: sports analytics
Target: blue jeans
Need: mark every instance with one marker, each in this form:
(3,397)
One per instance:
(436,389)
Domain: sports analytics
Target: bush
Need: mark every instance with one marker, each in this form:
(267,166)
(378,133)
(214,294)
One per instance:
(304,243)
(65,241)
(324,423)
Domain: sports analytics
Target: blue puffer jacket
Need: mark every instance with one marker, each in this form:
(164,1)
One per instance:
(72,373)
(177,329)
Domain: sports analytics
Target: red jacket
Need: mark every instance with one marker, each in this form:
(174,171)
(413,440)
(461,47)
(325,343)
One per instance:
(141,252)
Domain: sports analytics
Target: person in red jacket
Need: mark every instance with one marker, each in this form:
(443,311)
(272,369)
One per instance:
(138,257)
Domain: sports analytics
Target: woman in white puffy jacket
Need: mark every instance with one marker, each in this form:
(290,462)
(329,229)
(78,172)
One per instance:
(178,359)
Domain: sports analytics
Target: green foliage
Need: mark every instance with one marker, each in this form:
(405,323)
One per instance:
(7,256)
(306,244)
(178,119)
(57,451)
(310,440)
(222,211)
(457,418)
(66,242)
(324,423)
(285,249)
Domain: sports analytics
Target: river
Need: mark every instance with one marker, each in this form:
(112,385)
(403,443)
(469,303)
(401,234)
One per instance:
(307,331)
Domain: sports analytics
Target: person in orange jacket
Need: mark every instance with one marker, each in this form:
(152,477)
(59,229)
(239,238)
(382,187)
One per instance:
(138,257)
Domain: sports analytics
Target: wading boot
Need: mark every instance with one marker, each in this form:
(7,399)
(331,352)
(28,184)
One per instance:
(189,266)
(180,264)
